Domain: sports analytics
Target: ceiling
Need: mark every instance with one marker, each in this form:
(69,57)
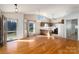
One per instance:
(49,10)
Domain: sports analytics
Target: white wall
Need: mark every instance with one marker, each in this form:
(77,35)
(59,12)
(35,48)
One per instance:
(10,15)
(20,26)
(25,28)
(37,27)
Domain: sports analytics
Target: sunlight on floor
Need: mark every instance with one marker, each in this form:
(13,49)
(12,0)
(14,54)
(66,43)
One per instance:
(26,40)
(49,36)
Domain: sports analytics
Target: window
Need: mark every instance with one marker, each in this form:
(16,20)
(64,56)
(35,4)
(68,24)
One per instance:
(39,17)
(31,26)
(11,32)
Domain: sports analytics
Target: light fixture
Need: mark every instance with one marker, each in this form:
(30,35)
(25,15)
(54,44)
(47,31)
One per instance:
(16,9)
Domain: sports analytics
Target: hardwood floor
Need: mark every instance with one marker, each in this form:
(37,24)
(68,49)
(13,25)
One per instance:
(41,45)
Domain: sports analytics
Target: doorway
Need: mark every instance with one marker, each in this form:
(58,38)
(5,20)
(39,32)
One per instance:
(31,28)
(11,29)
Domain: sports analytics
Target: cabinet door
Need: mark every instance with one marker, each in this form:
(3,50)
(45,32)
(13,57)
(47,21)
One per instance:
(61,30)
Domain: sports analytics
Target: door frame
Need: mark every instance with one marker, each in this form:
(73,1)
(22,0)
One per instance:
(28,26)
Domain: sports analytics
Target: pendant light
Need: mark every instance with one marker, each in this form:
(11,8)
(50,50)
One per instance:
(16,9)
